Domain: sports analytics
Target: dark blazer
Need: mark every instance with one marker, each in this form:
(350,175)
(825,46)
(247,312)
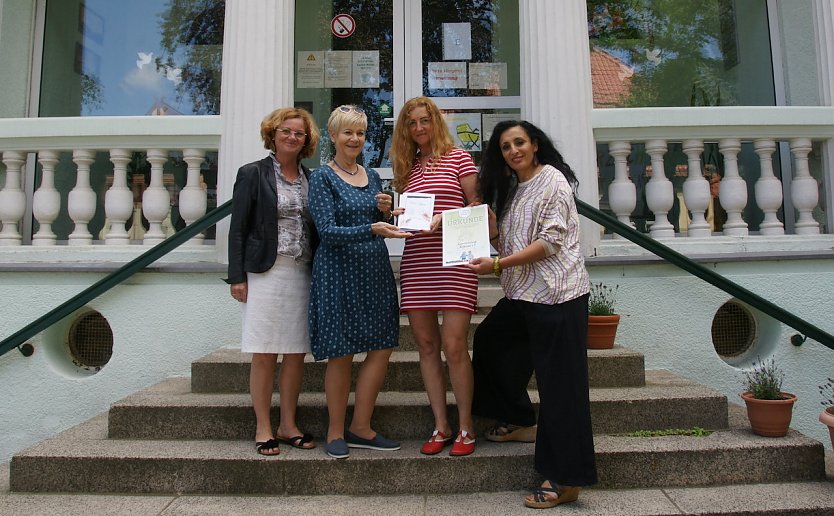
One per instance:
(253,234)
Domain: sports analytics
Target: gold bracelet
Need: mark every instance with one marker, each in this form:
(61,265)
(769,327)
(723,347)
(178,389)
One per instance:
(496,266)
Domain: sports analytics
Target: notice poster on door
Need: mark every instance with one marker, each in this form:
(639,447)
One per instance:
(488,76)
(338,68)
(447,75)
(457,41)
(310,70)
(466,130)
(490,120)
(366,68)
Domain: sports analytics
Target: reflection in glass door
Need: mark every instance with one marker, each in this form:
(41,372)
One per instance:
(344,55)
(376,54)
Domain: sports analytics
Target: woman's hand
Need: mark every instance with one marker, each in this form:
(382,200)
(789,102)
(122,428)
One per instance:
(436,223)
(387,230)
(384,203)
(492,221)
(481,265)
(239,291)
(398,211)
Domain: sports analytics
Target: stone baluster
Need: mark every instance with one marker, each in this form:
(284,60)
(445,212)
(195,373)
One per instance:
(660,193)
(193,198)
(732,193)
(118,201)
(622,194)
(804,188)
(81,201)
(156,201)
(12,199)
(46,202)
(696,189)
(768,189)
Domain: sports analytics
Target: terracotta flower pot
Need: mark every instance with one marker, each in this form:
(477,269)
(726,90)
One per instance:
(827,418)
(601,331)
(769,418)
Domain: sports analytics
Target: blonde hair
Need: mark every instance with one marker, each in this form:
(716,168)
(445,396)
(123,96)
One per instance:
(339,119)
(273,120)
(404,149)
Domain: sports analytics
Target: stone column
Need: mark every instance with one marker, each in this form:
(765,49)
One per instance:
(81,201)
(660,193)
(258,69)
(824,31)
(46,201)
(556,90)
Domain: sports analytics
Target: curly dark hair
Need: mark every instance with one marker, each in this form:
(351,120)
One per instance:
(497,179)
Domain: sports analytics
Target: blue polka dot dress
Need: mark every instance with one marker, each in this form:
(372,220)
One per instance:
(353,302)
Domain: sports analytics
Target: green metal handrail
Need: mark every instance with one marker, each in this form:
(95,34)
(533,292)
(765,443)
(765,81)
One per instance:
(675,258)
(713,278)
(114,278)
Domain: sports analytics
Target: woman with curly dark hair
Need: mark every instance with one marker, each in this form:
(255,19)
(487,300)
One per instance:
(542,321)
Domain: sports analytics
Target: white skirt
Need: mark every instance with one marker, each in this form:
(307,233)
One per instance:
(274,316)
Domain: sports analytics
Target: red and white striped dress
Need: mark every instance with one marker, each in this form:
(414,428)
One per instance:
(425,283)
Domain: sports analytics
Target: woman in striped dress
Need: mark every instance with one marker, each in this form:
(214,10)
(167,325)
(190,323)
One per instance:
(426,160)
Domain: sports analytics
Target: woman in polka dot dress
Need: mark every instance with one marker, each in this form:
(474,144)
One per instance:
(353,303)
(426,160)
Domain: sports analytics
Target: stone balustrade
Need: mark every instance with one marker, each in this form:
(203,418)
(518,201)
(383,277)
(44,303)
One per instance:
(66,149)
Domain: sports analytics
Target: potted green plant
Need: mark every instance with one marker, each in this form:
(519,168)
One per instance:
(602,321)
(769,408)
(827,414)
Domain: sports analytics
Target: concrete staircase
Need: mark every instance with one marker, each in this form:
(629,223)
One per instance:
(194,436)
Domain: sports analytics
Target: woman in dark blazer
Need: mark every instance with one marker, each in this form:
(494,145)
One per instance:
(271,244)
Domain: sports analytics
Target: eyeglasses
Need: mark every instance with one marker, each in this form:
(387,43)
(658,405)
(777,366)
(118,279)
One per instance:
(287,132)
(348,109)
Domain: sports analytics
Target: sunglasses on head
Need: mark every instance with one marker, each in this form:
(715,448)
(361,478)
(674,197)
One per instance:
(348,109)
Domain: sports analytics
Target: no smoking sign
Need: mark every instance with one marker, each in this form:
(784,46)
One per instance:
(342,25)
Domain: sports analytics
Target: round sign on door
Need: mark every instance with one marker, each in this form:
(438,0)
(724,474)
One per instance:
(343,25)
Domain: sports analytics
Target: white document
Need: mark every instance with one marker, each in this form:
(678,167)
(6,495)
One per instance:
(366,69)
(310,70)
(465,234)
(419,209)
(457,41)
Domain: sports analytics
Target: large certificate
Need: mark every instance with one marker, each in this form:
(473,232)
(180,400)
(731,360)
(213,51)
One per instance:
(419,209)
(465,234)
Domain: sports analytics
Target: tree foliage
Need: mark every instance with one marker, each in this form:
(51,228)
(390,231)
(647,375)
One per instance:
(682,53)
(192,38)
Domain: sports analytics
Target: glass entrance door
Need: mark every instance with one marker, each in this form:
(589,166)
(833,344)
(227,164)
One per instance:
(464,54)
(376,54)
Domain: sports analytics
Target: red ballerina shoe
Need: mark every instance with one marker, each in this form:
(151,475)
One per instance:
(436,443)
(464,444)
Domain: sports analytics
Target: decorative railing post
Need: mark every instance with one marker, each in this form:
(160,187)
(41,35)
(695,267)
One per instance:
(804,188)
(81,201)
(733,189)
(12,199)
(118,201)
(46,202)
(696,189)
(622,194)
(768,189)
(193,197)
(156,201)
(660,193)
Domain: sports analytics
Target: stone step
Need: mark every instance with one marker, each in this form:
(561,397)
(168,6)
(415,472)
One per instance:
(807,498)
(169,410)
(227,370)
(83,459)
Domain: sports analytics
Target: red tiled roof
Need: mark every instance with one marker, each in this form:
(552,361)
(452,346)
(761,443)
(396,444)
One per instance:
(610,79)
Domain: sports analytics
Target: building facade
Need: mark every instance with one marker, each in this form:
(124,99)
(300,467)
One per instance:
(123,121)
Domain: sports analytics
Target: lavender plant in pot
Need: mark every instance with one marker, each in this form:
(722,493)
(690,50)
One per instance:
(602,321)
(769,408)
